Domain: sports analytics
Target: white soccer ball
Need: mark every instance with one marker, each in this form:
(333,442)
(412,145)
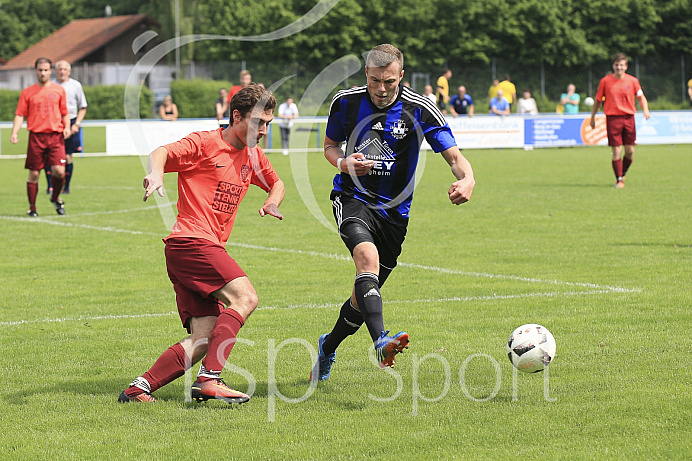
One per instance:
(531,348)
(588,101)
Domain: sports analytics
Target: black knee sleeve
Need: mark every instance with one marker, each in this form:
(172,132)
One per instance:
(355,232)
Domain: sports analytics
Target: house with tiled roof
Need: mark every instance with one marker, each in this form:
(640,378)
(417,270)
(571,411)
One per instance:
(100,50)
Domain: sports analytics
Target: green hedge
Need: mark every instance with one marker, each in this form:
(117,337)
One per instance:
(105,102)
(8,104)
(196,98)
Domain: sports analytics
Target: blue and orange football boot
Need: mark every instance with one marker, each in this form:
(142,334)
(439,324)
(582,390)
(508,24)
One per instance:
(386,347)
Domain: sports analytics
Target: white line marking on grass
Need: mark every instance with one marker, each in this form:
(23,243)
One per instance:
(452,299)
(521,279)
(342,257)
(84,319)
(319,306)
(443,270)
(84,226)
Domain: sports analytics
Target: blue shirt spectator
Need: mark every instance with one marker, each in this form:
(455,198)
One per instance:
(499,105)
(461,103)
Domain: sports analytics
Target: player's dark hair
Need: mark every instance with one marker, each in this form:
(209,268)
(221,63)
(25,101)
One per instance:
(617,57)
(251,97)
(383,55)
(41,61)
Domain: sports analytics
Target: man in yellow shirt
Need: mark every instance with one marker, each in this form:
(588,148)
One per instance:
(689,90)
(492,91)
(509,90)
(442,92)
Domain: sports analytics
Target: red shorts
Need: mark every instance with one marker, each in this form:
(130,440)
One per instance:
(621,130)
(45,149)
(198,267)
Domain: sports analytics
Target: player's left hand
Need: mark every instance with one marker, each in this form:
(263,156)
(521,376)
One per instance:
(272,210)
(460,192)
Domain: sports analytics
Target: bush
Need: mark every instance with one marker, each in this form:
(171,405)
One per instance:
(664,104)
(106,102)
(196,98)
(8,104)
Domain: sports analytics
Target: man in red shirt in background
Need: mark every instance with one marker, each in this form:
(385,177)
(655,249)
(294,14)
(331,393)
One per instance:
(44,105)
(619,90)
(215,170)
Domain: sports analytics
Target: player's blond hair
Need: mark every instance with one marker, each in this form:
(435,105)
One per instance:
(383,55)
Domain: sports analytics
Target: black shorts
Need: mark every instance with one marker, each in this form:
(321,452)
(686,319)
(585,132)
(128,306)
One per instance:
(73,144)
(387,236)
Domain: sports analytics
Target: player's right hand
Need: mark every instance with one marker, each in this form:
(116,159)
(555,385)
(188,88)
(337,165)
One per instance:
(151,183)
(14,139)
(357,164)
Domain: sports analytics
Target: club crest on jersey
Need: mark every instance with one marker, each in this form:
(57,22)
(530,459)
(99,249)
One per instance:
(244,172)
(399,129)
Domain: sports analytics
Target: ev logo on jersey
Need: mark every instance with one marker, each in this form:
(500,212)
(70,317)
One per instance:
(244,172)
(399,129)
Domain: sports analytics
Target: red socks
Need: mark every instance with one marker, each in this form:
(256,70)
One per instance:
(57,184)
(173,363)
(170,366)
(222,340)
(626,162)
(32,192)
(617,169)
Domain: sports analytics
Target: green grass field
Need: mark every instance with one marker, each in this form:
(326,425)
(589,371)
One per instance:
(86,306)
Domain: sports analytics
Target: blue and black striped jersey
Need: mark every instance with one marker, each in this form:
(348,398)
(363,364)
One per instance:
(392,138)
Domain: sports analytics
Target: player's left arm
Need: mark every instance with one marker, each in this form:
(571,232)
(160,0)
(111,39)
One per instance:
(154,180)
(461,190)
(274,199)
(644,104)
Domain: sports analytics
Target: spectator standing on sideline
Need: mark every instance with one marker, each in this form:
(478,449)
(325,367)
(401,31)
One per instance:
(428,93)
(509,90)
(527,105)
(168,110)
(287,112)
(44,105)
(383,124)
(617,93)
(215,170)
(689,90)
(492,91)
(499,105)
(245,78)
(442,92)
(461,103)
(222,108)
(77,108)
(570,100)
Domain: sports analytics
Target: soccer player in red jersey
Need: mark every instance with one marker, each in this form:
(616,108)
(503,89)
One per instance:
(215,170)
(619,90)
(44,105)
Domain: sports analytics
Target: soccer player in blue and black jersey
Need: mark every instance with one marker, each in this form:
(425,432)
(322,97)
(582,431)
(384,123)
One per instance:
(383,125)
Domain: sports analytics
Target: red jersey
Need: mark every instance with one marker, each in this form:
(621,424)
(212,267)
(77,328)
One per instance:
(619,94)
(44,108)
(213,177)
(234,89)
